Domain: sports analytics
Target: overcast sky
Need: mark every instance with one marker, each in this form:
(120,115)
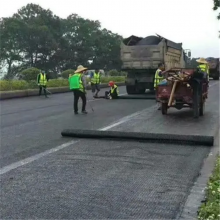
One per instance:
(192,22)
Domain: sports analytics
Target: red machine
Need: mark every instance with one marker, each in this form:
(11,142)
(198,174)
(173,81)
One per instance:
(184,88)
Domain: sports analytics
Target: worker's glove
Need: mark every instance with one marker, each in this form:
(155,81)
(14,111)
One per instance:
(38,84)
(89,83)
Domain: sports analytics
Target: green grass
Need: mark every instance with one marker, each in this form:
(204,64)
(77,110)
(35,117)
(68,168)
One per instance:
(210,209)
(11,85)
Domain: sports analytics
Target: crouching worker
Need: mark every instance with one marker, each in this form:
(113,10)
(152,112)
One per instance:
(113,93)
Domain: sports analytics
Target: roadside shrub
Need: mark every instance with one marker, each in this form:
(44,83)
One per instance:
(10,85)
(113,73)
(123,73)
(65,74)
(58,83)
(30,74)
(7,85)
(116,73)
(210,210)
(113,78)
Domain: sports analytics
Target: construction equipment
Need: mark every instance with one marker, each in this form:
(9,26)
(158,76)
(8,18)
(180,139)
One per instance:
(139,136)
(183,88)
(141,56)
(213,67)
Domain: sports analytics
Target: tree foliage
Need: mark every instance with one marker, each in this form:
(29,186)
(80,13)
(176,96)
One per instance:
(30,74)
(216,6)
(35,37)
(65,74)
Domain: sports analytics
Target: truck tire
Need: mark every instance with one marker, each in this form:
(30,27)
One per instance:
(131,90)
(164,108)
(196,101)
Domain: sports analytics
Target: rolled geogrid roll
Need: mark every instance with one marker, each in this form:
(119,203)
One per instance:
(138,136)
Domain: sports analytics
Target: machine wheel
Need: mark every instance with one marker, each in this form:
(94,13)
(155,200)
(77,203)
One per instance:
(164,108)
(202,108)
(196,102)
(131,90)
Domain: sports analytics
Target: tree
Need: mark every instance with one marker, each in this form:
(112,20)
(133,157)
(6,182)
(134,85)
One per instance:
(65,74)
(35,37)
(216,6)
(42,29)
(30,74)
(10,34)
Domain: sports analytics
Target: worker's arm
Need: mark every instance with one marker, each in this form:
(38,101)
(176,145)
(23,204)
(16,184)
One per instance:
(38,78)
(91,76)
(47,77)
(162,73)
(84,81)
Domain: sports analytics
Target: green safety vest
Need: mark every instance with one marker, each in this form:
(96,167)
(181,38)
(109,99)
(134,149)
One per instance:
(113,88)
(157,78)
(96,78)
(204,68)
(75,82)
(43,79)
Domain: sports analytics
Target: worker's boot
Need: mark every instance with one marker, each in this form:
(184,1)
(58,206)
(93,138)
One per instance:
(84,112)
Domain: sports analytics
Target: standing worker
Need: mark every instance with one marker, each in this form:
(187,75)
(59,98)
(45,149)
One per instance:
(159,76)
(95,82)
(42,79)
(77,83)
(203,66)
(114,92)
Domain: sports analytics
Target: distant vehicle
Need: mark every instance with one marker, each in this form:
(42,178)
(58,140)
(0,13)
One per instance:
(213,67)
(141,56)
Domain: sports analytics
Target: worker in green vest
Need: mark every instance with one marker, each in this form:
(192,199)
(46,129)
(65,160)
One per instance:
(42,79)
(78,86)
(203,66)
(95,82)
(159,76)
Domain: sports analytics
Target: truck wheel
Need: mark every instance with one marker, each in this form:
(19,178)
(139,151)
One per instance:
(196,101)
(131,90)
(164,107)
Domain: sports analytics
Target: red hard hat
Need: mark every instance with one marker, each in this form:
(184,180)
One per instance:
(111,83)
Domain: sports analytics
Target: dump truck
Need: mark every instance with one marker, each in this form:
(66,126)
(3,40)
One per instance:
(140,58)
(213,67)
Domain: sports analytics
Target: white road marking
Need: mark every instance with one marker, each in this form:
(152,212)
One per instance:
(28,160)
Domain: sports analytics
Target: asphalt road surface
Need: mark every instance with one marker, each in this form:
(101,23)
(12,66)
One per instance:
(45,176)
